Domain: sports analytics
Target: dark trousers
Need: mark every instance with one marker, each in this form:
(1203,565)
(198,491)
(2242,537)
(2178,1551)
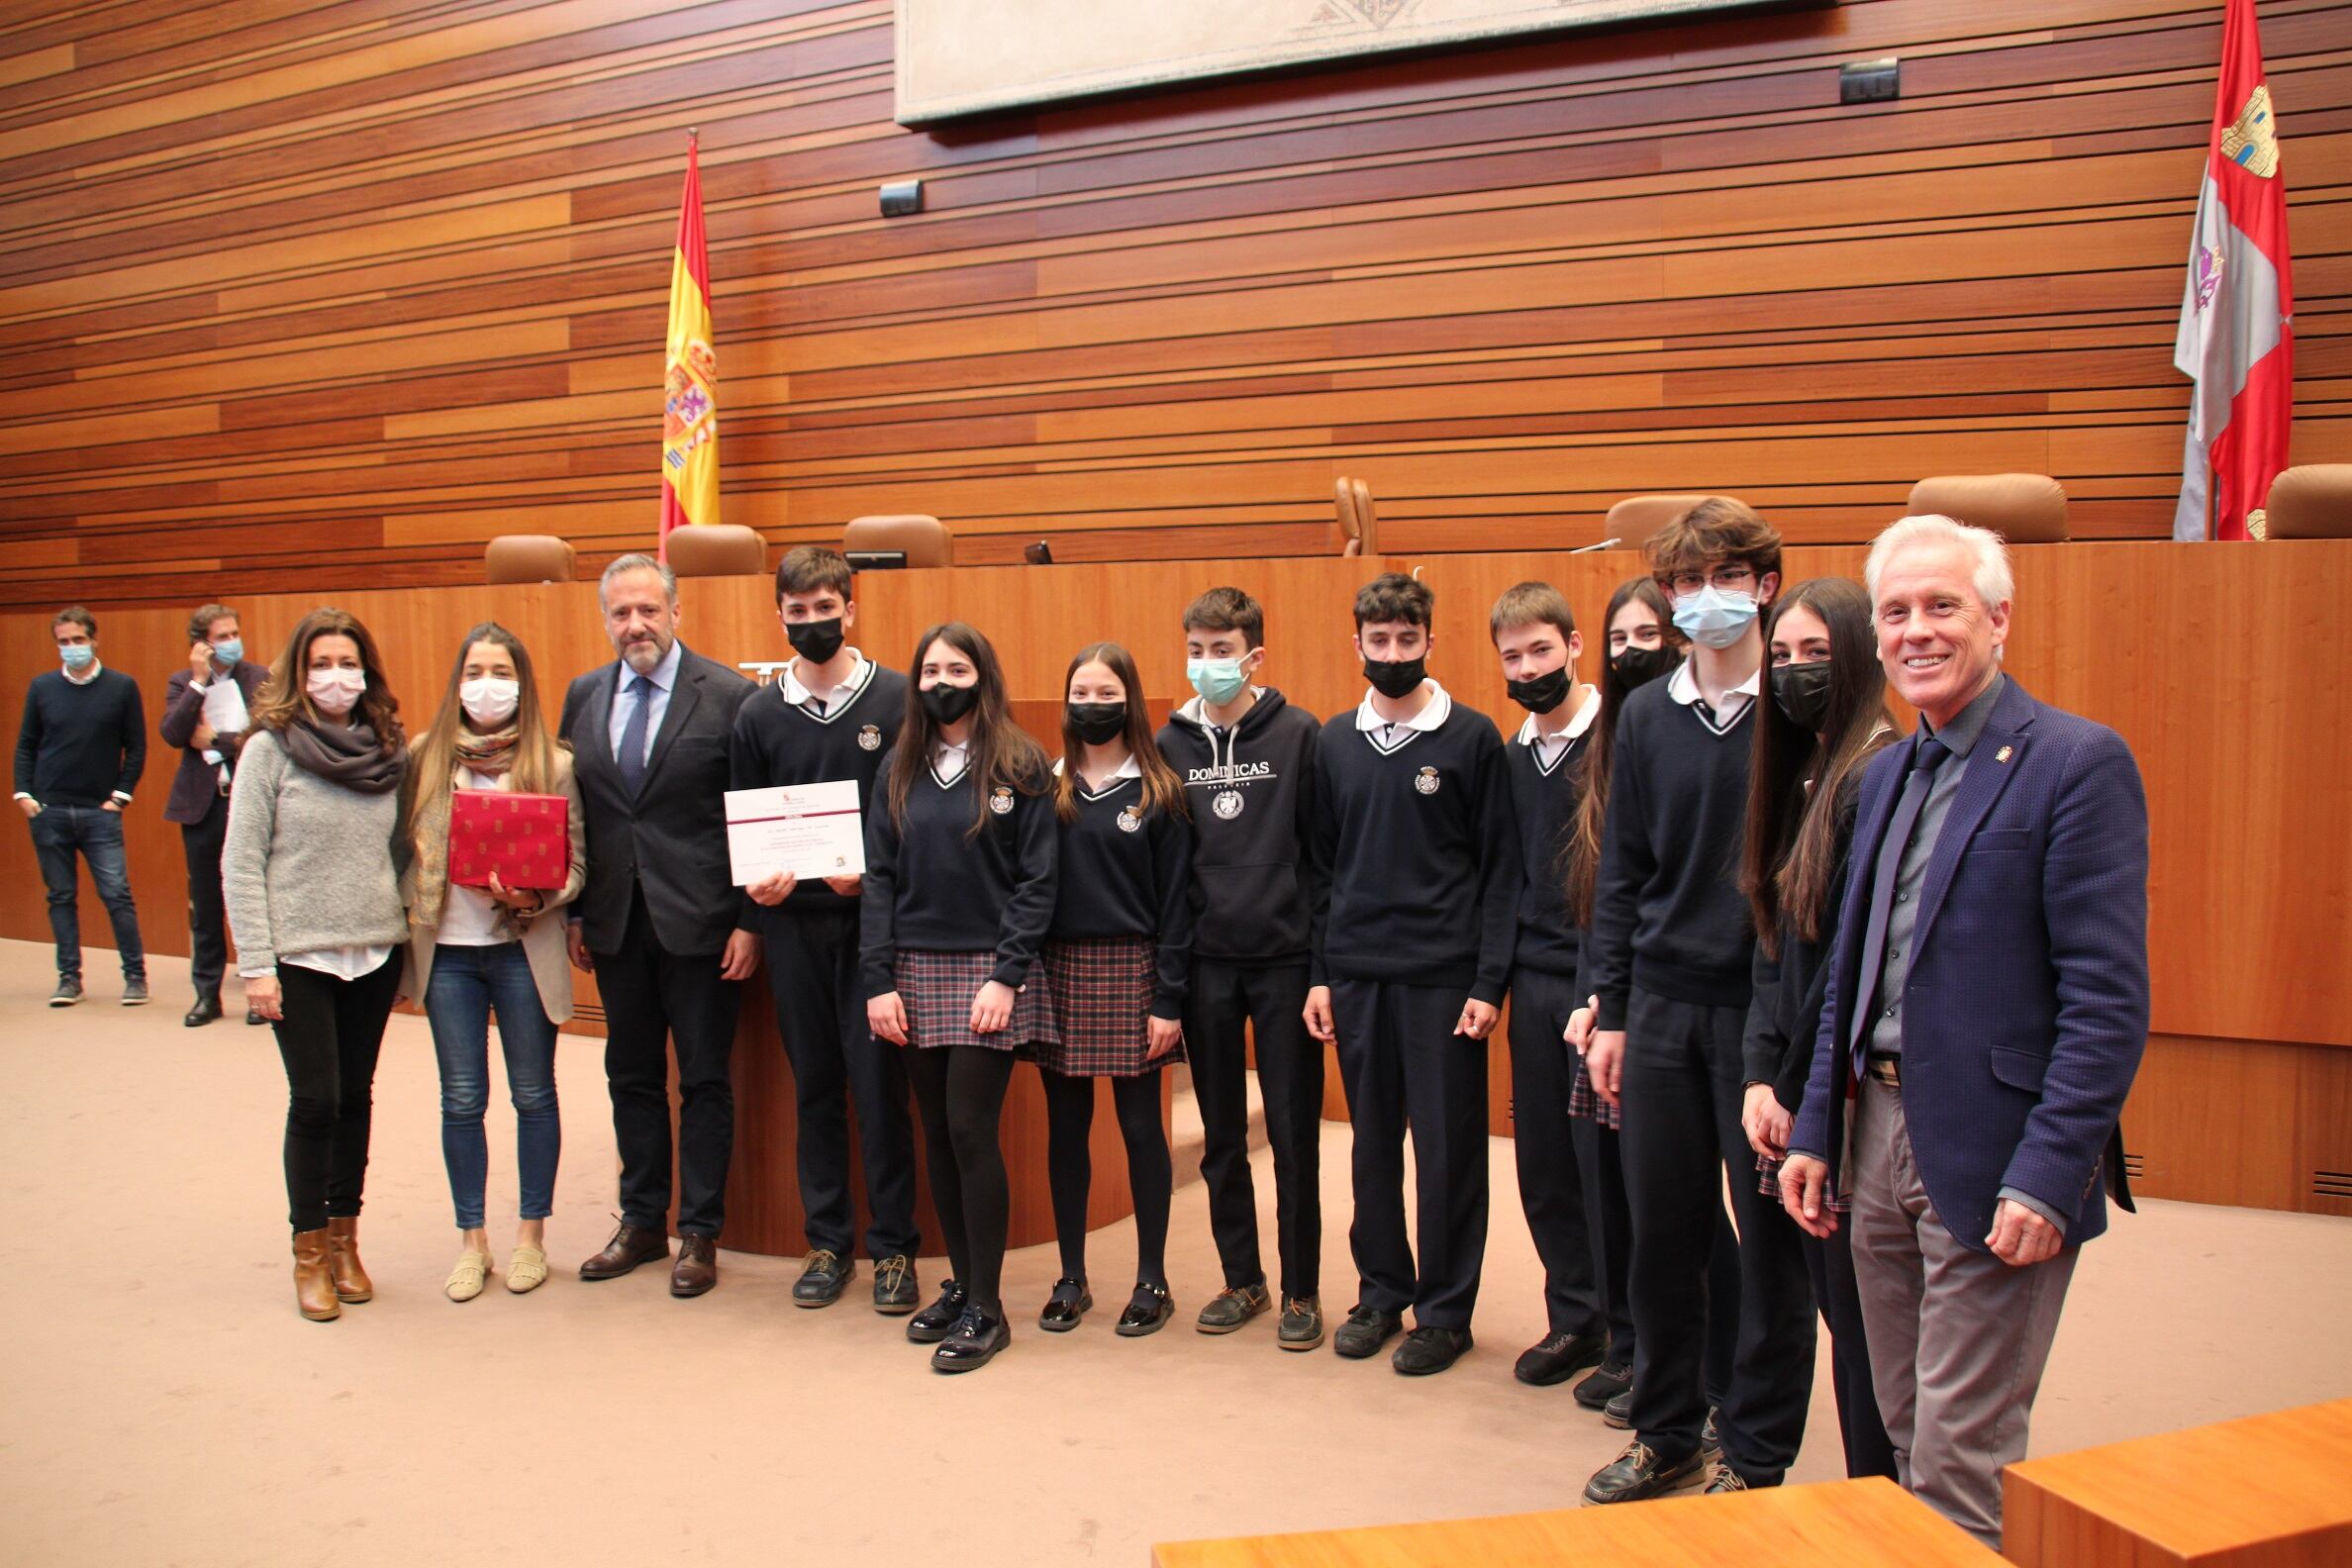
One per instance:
(1069,1166)
(1681,1085)
(60,832)
(328,1037)
(208,932)
(1831,1264)
(1227,1006)
(1600,1157)
(1402,1066)
(652,998)
(960,1091)
(1543,1141)
(811,966)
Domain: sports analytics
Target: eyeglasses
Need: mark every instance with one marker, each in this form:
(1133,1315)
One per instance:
(1724,578)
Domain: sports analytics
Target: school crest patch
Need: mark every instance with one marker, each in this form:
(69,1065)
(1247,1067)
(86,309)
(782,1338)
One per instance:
(1425,781)
(1227,804)
(1129,822)
(1000,800)
(869,737)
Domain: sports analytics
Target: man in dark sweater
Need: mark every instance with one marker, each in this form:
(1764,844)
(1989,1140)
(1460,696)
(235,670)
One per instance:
(1535,637)
(80,752)
(1417,852)
(831,714)
(1247,763)
(1669,958)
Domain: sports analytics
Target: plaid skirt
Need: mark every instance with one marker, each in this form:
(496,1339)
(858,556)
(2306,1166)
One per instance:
(1102,1000)
(1588,1106)
(937,989)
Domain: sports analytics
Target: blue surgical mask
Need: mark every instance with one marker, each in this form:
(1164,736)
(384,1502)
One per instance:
(229,652)
(1219,680)
(79,655)
(1716,617)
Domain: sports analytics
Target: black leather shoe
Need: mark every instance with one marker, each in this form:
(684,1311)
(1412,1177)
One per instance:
(254,1018)
(1558,1357)
(1639,1473)
(1233,1306)
(1609,1380)
(1427,1351)
(1301,1325)
(207,1009)
(1726,1479)
(1148,1311)
(1365,1332)
(976,1341)
(938,1321)
(1619,1412)
(824,1276)
(1070,1301)
(896,1292)
(630,1246)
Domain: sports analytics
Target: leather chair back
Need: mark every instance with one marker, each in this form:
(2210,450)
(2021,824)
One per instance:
(716,550)
(1634,518)
(2313,501)
(2024,508)
(925,540)
(528,558)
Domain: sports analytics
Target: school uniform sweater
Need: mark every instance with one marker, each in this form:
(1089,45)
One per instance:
(1668,915)
(933,887)
(1790,986)
(1417,845)
(1122,872)
(1544,801)
(778,743)
(1250,793)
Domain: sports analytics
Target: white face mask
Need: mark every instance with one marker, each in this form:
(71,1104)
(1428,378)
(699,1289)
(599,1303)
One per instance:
(335,691)
(490,700)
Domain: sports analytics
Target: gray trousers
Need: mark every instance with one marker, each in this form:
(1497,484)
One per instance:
(1958,1338)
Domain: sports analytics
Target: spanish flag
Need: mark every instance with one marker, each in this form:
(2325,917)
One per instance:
(690,373)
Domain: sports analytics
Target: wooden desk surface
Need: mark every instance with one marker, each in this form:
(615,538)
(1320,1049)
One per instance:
(1871,1522)
(2272,1490)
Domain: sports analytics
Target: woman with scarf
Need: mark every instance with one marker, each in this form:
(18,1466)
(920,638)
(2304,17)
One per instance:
(476,951)
(314,900)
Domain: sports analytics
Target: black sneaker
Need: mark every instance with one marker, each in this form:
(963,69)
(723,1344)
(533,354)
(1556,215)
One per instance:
(1619,1412)
(974,1343)
(1726,1479)
(1557,1357)
(938,1321)
(67,993)
(1301,1325)
(1233,1306)
(134,992)
(1148,1311)
(825,1275)
(896,1292)
(1609,1380)
(1639,1473)
(1365,1332)
(1070,1301)
(1427,1351)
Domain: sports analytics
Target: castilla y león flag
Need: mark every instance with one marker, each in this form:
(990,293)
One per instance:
(2236,339)
(690,373)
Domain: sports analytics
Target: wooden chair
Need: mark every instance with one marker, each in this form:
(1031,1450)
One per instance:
(2024,508)
(716,550)
(1358,524)
(2313,501)
(925,540)
(528,558)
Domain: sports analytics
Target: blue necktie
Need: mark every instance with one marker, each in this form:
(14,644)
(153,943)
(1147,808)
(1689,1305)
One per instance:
(1926,758)
(632,738)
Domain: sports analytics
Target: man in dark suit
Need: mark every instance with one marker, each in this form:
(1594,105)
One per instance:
(199,800)
(657,922)
(1990,989)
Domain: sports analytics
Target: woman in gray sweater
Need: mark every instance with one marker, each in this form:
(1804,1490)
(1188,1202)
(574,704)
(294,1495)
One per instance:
(313,897)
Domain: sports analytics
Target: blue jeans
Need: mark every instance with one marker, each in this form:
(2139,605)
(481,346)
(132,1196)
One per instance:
(469,985)
(57,833)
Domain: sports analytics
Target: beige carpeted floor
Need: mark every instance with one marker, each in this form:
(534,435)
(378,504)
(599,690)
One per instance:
(162,1404)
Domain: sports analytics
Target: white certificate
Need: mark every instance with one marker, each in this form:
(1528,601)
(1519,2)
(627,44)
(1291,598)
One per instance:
(808,829)
(225,706)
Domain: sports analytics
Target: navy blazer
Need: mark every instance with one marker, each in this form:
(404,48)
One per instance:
(197,784)
(2026,1005)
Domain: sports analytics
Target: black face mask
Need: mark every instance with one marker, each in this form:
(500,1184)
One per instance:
(1638,666)
(947,704)
(1803,692)
(1096,722)
(815,641)
(1394,679)
(1542,694)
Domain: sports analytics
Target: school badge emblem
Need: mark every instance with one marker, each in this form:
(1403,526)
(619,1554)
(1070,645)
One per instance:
(1425,781)
(1227,804)
(869,738)
(1129,822)
(1000,800)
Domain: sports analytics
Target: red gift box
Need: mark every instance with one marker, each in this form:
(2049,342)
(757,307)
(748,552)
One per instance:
(524,839)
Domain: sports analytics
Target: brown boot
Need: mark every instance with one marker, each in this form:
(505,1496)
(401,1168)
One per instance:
(352,1283)
(313,1287)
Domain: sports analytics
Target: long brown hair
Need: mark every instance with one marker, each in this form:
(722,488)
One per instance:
(1583,841)
(283,698)
(1789,862)
(1163,791)
(435,761)
(1002,755)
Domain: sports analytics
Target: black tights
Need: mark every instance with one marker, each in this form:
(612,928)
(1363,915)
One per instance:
(960,1091)
(1069,1123)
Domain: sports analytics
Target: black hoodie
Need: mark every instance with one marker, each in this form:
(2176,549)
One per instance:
(1248,789)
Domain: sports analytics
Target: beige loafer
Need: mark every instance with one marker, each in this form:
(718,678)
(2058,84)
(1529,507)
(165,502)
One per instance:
(468,1277)
(526,1270)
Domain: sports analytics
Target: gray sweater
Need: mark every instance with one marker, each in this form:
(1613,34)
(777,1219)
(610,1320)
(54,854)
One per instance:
(307,864)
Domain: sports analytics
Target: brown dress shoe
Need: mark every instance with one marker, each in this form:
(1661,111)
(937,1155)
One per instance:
(697,1268)
(630,1246)
(352,1283)
(313,1287)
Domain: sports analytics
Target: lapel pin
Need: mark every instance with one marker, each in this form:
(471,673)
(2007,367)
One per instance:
(2004,754)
